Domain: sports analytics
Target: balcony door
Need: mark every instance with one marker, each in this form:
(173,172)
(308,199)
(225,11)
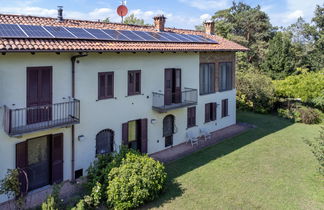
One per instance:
(39,94)
(172,86)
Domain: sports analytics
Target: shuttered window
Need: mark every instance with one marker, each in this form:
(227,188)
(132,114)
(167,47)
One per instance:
(226,76)
(210,112)
(207,78)
(105,142)
(191,117)
(225,108)
(134,82)
(134,135)
(105,85)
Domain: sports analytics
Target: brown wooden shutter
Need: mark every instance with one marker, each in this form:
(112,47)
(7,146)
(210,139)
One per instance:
(213,108)
(125,134)
(207,113)
(110,84)
(101,85)
(229,76)
(22,163)
(57,158)
(188,118)
(226,107)
(137,83)
(144,135)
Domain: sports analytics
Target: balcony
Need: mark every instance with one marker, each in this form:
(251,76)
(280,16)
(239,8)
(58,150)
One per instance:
(163,103)
(32,119)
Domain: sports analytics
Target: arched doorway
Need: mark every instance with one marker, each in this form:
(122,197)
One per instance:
(168,130)
(105,142)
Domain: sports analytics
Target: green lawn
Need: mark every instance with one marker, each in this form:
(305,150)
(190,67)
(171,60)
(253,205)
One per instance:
(269,167)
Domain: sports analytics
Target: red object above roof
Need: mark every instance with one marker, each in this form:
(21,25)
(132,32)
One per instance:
(122,10)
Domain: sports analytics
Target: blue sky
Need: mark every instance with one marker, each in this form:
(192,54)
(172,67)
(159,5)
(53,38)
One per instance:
(180,13)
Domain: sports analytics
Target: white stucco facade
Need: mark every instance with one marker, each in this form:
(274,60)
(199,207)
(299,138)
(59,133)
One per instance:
(97,115)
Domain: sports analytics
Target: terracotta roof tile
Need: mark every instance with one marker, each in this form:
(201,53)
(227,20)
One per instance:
(20,44)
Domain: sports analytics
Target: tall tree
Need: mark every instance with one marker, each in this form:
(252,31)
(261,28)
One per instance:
(279,59)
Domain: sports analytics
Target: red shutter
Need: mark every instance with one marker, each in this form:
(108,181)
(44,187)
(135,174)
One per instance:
(57,158)
(207,113)
(213,108)
(125,134)
(22,163)
(144,135)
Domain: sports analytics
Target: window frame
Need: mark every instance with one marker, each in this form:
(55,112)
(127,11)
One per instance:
(131,88)
(213,82)
(106,95)
(112,133)
(191,117)
(212,112)
(228,86)
(225,108)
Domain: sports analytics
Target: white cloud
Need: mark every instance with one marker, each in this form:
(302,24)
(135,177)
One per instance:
(207,4)
(205,17)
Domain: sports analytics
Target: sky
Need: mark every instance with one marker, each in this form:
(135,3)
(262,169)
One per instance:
(179,13)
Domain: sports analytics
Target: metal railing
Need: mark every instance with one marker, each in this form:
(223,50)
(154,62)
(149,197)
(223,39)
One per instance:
(164,103)
(31,119)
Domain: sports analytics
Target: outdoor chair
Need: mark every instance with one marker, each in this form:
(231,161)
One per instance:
(205,134)
(191,138)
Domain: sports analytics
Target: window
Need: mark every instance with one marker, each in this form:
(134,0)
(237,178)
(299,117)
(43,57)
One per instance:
(134,135)
(210,112)
(225,108)
(105,85)
(168,130)
(207,78)
(134,82)
(225,76)
(105,142)
(191,117)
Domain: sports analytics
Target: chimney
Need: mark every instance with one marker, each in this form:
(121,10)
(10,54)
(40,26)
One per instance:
(159,22)
(209,27)
(60,13)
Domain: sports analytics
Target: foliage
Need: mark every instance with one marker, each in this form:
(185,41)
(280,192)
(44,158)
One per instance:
(307,86)
(10,185)
(133,20)
(90,201)
(49,204)
(319,102)
(302,114)
(317,146)
(100,168)
(106,20)
(279,60)
(255,92)
(138,179)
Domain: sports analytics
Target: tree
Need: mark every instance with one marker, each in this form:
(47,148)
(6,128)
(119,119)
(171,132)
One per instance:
(279,59)
(248,26)
(132,20)
(107,20)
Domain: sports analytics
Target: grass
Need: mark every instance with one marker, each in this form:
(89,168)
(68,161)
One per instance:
(269,167)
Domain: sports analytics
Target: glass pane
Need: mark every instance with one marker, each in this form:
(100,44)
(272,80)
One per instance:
(132,131)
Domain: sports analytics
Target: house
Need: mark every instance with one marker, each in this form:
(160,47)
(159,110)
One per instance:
(72,89)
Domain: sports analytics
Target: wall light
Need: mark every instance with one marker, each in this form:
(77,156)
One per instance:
(81,138)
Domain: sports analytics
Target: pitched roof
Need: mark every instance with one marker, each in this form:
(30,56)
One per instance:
(62,45)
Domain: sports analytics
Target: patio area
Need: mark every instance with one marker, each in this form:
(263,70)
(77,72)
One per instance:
(185,149)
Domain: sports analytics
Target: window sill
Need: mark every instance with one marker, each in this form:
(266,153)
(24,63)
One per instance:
(225,116)
(206,94)
(191,127)
(137,94)
(210,122)
(102,99)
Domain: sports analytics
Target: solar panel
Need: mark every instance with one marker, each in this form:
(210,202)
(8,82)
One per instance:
(59,32)
(116,35)
(192,37)
(159,36)
(36,31)
(181,37)
(145,35)
(203,39)
(10,30)
(131,36)
(170,37)
(80,33)
(99,34)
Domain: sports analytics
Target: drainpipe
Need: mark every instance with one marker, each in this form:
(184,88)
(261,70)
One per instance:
(73,59)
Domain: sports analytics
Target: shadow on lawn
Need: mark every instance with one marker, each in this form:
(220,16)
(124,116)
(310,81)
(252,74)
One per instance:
(266,124)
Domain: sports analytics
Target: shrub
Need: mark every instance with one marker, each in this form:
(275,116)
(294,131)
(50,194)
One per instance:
(317,146)
(286,113)
(255,92)
(138,179)
(49,204)
(53,201)
(318,102)
(310,116)
(90,201)
(307,86)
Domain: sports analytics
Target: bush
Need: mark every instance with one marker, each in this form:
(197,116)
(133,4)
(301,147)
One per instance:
(49,204)
(255,92)
(90,201)
(307,86)
(138,179)
(302,114)
(317,146)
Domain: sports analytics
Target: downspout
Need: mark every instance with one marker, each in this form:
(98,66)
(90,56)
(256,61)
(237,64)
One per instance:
(73,59)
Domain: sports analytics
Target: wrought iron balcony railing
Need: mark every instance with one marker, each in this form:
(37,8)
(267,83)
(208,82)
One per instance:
(164,102)
(32,119)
